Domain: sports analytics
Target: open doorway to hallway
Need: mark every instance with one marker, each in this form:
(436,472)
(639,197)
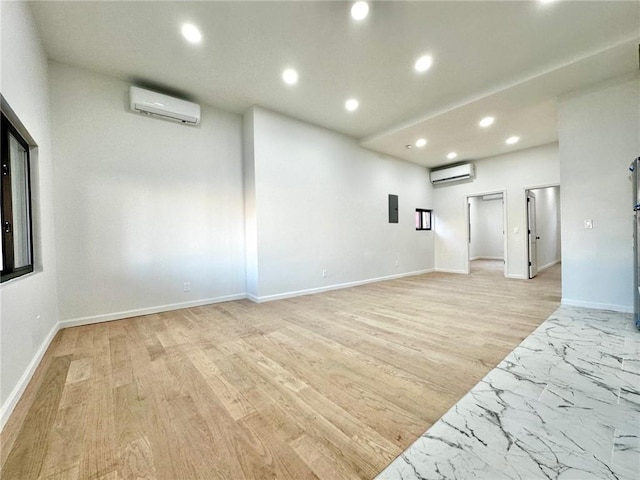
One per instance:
(543,228)
(487,246)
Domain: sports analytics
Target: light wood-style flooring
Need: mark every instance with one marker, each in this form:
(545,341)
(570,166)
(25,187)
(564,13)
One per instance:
(330,386)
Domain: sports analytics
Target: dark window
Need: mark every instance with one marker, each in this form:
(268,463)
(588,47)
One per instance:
(423,219)
(17,235)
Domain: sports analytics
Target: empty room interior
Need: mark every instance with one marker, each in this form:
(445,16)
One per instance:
(319,240)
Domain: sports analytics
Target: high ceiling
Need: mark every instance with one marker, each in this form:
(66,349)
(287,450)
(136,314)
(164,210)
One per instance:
(508,59)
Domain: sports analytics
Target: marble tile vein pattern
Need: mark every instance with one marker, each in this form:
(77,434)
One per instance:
(565,404)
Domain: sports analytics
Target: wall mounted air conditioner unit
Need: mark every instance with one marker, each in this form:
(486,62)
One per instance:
(157,104)
(453,173)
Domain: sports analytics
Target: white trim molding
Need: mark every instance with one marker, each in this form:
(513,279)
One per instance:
(452,270)
(517,276)
(107,317)
(310,291)
(547,265)
(12,400)
(598,306)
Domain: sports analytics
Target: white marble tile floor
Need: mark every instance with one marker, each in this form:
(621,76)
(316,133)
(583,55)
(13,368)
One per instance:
(565,404)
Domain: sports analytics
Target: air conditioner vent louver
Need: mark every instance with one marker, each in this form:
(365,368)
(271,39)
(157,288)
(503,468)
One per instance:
(164,106)
(453,173)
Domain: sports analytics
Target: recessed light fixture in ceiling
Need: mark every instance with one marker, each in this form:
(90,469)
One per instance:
(351,104)
(290,76)
(191,33)
(487,121)
(421,142)
(423,63)
(452,155)
(512,140)
(360,10)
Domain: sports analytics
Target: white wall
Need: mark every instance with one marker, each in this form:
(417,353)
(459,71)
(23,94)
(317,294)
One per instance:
(513,173)
(250,207)
(486,224)
(142,205)
(29,310)
(599,137)
(322,205)
(548,226)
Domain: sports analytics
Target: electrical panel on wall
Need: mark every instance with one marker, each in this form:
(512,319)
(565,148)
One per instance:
(393,208)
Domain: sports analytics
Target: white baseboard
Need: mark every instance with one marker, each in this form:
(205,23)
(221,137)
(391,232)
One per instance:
(547,265)
(598,306)
(451,270)
(517,276)
(13,398)
(253,298)
(310,291)
(107,317)
(485,258)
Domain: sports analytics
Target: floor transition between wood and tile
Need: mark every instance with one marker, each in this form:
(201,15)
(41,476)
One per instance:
(565,404)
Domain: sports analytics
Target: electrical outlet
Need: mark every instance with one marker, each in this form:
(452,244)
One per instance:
(187,286)
(588,224)
(324,274)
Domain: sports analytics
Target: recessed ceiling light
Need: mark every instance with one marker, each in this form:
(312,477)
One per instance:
(452,155)
(360,10)
(290,76)
(486,121)
(421,142)
(191,33)
(351,104)
(423,63)
(512,140)
(408,146)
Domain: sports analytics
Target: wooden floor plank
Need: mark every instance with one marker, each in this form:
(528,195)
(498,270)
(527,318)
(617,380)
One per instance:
(326,386)
(26,458)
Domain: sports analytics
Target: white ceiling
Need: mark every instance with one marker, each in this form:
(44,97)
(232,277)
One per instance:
(506,59)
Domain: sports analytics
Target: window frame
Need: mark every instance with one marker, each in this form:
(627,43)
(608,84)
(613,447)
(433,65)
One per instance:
(420,219)
(9,271)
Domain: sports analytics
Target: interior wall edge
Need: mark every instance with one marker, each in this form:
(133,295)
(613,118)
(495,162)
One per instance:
(14,397)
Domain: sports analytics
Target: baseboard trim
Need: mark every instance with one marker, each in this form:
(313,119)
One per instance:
(311,291)
(12,400)
(451,270)
(75,322)
(517,276)
(598,306)
(547,265)
(485,258)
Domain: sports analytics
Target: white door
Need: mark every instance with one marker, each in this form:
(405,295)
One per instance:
(533,235)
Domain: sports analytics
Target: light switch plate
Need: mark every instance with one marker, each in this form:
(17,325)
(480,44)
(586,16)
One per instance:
(588,224)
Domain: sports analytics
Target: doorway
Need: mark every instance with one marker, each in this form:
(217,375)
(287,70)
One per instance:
(487,246)
(543,228)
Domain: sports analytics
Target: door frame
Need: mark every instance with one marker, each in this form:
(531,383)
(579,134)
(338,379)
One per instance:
(525,190)
(504,228)
(531,213)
